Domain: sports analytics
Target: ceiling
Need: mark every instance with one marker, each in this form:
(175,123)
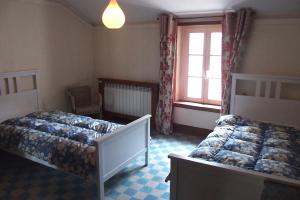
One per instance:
(148,10)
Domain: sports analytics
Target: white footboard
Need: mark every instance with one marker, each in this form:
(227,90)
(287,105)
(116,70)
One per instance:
(195,179)
(117,149)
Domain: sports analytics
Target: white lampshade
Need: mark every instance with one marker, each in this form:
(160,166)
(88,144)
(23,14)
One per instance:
(113,16)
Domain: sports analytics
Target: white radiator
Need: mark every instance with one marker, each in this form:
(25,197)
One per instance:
(127,99)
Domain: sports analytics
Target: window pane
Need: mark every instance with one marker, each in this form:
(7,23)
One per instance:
(196,41)
(214,67)
(216,43)
(195,65)
(214,89)
(194,87)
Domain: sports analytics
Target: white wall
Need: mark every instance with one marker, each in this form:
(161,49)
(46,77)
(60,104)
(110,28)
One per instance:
(274,48)
(131,53)
(67,51)
(36,34)
(195,118)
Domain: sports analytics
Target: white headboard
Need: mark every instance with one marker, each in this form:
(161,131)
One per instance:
(18,94)
(267,102)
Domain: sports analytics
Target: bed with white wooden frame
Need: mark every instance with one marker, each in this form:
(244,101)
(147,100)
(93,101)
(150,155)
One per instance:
(193,178)
(114,150)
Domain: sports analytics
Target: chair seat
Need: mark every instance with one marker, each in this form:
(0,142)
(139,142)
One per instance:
(92,109)
(84,101)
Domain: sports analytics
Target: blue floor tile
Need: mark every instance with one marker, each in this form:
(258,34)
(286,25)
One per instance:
(146,189)
(162,186)
(151,197)
(135,182)
(130,192)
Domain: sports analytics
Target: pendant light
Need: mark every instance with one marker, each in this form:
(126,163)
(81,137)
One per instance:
(113,16)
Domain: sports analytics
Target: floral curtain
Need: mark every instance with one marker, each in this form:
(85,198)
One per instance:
(236,29)
(166,74)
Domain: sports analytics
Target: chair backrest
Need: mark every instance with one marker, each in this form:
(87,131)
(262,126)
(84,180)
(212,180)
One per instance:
(82,95)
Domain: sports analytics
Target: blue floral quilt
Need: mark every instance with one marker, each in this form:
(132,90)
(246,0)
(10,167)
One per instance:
(62,139)
(253,145)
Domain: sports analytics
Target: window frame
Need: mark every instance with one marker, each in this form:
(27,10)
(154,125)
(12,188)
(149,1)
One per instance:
(184,59)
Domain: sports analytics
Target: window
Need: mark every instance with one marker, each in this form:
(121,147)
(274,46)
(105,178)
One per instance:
(199,63)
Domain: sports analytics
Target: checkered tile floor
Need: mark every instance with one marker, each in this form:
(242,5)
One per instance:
(22,179)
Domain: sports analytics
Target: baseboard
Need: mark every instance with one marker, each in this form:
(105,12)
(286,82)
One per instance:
(190,130)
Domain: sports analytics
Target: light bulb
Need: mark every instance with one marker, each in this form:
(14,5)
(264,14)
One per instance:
(113,16)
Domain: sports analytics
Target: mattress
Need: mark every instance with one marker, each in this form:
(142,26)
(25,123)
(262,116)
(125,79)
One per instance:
(253,145)
(61,139)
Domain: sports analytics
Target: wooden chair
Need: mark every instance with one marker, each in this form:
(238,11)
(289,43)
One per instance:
(83,102)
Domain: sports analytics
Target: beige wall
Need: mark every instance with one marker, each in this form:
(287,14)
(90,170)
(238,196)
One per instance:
(35,34)
(129,53)
(67,51)
(274,48)
(133,53)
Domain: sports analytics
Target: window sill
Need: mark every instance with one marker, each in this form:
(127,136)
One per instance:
(197,106)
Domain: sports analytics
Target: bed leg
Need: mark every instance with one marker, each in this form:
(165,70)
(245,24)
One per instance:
(100,178)
(173,179)
(100,190)
(147,158)
(147,143)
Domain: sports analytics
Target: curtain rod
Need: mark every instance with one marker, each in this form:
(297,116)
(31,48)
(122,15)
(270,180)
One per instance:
(210,14)
(199,17)
(191,18)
